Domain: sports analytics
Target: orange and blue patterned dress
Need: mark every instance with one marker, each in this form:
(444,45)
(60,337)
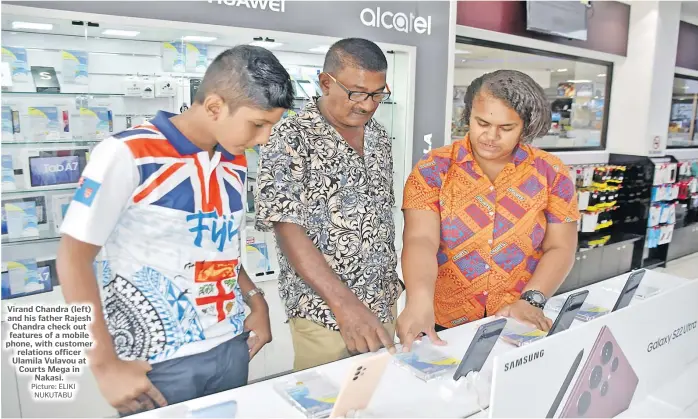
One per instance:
(491,233)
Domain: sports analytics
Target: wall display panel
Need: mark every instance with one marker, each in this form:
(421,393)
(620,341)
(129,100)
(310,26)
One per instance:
(684,113)
(577,90)
(424,25)
(112,83)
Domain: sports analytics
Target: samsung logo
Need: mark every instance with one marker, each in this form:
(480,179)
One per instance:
(524,360)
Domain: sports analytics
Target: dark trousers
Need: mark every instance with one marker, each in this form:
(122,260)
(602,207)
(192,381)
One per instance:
(222,368)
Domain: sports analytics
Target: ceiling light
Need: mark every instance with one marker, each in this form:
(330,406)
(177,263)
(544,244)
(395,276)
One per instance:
(561,70)
(266,44)
(578,81)
(31,25)
(462,51)
(601,75)
(322,48)
(196,38)
(119,32)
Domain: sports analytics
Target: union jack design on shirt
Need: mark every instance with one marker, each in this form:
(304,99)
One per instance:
(171,264)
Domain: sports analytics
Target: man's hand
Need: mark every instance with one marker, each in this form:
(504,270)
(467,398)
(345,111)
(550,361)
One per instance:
(526,313)
(414,320)
(257,323)
(125,385)
(361,329)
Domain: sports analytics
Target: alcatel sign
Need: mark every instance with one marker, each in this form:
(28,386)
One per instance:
(397,21)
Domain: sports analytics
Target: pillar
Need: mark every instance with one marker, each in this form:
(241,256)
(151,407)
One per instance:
(640,102)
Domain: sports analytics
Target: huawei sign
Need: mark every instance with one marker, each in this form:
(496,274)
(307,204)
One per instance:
(271,5)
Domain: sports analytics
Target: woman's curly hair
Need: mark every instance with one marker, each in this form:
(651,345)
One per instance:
(521,93)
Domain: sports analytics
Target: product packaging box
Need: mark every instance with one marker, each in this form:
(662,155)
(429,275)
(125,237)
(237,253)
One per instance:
(7,126)
(46,123)
(97,122)
(17,59)
(75,67)
(21,220)
(196,57)
(8,173)
(23,277)
(61,202)
(173,56)
(311,393)
(425,361)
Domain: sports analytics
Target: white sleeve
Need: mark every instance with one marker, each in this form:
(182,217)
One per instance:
(106,187)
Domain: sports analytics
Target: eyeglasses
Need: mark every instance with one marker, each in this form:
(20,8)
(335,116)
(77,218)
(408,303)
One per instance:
(361,96)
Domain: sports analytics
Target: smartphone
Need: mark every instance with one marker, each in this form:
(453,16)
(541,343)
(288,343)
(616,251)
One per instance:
(66,121)
(631,285)
(480,347)
(565,384)
(569,310)
(15,122)
(606,384)
(360,384)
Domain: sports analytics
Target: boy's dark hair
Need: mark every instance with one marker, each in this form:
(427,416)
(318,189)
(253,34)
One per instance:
(521,93)
(246,75)
(357,53)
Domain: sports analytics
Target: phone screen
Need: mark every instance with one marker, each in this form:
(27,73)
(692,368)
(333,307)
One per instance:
(569,311)
(631,285)
(480,347)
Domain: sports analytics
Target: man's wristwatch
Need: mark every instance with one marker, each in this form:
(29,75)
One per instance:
(535,298)
(249,294)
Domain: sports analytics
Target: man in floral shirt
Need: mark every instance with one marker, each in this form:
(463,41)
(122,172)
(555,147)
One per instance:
(326,188)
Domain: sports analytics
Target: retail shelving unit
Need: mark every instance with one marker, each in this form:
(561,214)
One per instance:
(648,205)
(603,251)
(685,239)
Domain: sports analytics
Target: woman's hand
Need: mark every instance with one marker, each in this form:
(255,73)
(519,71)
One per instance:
(414,320)
(526,313)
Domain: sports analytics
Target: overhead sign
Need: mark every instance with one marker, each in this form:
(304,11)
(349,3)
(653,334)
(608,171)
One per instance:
(271,5)
(400,22)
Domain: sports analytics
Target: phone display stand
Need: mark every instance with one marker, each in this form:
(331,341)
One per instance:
(472,390)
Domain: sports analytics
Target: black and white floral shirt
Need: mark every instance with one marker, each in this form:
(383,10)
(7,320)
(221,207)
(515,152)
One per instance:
(310,176)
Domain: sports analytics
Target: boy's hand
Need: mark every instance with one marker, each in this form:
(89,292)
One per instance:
(257,323)
(126,386)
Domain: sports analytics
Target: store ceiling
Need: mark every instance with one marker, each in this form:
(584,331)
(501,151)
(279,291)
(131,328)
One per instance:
(483,58)
(234,36)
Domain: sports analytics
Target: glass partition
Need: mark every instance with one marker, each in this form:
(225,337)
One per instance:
(577,91)
(683,118)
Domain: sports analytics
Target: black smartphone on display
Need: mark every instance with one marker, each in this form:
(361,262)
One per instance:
(629,289)
(480,347)
(565,385)
(569,310)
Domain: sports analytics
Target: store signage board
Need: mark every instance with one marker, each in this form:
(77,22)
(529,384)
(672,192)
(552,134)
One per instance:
(400,22)
(424,25)
(271,5)
(601,367)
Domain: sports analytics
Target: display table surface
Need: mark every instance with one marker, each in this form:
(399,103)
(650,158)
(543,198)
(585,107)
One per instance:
(400,394)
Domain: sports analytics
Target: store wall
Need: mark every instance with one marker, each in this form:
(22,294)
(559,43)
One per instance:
(608,23)
(395,24)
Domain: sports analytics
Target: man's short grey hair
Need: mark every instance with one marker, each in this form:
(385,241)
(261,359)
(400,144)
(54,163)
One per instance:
(521,93)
